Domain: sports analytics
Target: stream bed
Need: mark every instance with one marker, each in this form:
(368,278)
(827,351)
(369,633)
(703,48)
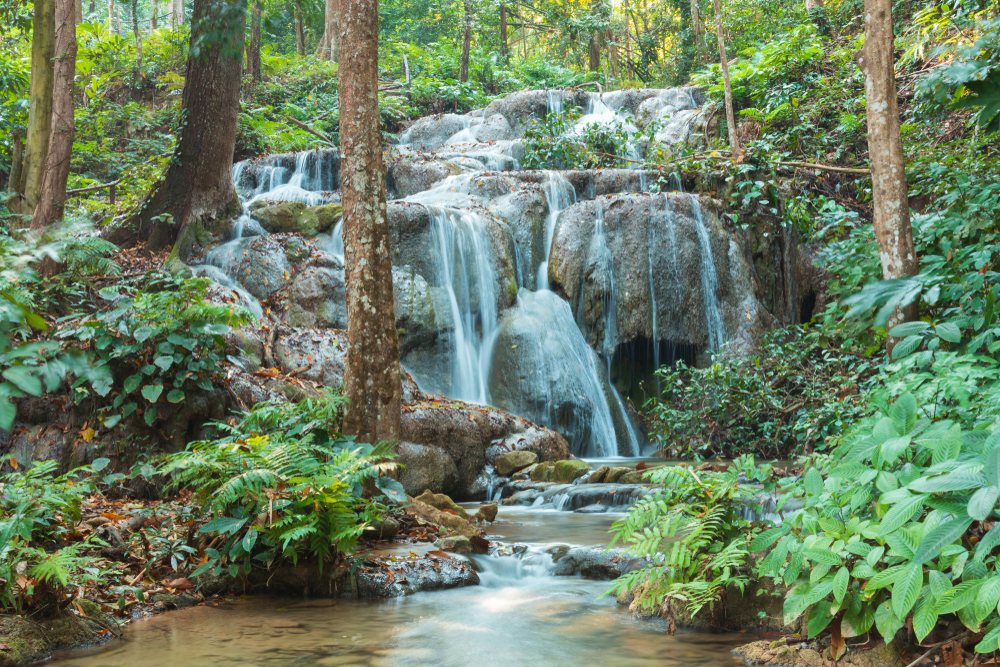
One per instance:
(520,614)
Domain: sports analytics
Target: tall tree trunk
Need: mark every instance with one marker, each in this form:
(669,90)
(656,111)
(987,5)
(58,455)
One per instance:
(197,189)
(16,157)
(594,52)
(734,141)
(53,194)
(176,12)
(885,146)
(372,374)
(327,49)
(152,19)
(503,30)
(137,34)
(609,36)
(78,12)
(253,52)
(695,20)
(300,35)
(463,74)
(111,14)
(40,106)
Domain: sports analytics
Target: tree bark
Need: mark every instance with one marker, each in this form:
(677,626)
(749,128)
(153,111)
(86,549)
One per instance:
(53,193)
(253,52)
(503,30)
(372,374)
(328,43)
(152,19)
(695,20)
(111,14)
(176,13)
(16,157)
(197,189)
(137,34)
(463,74)
(885,146)
(594,52)
(300,35)
(734,141)
(78,12)
(40,106)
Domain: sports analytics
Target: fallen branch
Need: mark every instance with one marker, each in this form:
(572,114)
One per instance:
(314,132)
(811,165)
(937,646)
(91,188)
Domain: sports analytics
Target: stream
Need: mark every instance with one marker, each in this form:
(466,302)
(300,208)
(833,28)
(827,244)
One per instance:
(520,614)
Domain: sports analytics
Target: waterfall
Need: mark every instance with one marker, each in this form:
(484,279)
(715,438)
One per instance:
(709,285)
(650,244)
(554,101)
(560,195)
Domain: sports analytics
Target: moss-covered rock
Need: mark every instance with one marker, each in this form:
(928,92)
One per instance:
(633,477)
(298,218)
(542,471)
(565,472)
(615,474)
(510,462)
(29,640)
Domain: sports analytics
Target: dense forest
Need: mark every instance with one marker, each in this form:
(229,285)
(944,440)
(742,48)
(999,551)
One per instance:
(285,286)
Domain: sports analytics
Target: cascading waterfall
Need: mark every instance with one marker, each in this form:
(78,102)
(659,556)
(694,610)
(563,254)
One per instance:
(560,195)
(710,286)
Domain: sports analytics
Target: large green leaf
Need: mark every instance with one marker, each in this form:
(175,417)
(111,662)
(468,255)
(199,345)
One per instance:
(814,482)
(992,467)
(983,501)
(223,524)
(886,622)
(823,556)
(940,537)
(884,578)
(819,618)
(955,481)
(24,378)
(906,589)
(959,597)
(151,392)
(924,618)
(767,538)
(988,543)
(904,413)
(987,598)
(840,582)
(899,514)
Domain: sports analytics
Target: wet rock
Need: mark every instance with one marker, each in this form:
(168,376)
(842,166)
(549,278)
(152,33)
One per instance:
(450,523)
(261,266)
(564,472)
(442,502)
(431,132)
(321,170)
(595,563)
(413,577)
(410,174)
(592,509)
(459,545)
(511,462)
(298,218)
(572,497)
(558,551)
(170,601)
(28,640)
(317,355)
(519,109)
(542,471)
(614,474)
(599,475)
(426,468)
(633,477)
(487,513)
(526,497)
(317,298)
(385,529)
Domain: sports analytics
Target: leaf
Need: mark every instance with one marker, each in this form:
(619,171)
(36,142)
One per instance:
(837,646)
(992,466)
(823,556)
(100,464)
(924,618)
(908,329)
(904,413)
(24,379)
(142,333)
(939,538)
(814,482)
(983,501)
(874,556)
(151,392)
(223,524)
(956,481)
(899,514)
(165,361)
(819,618)
(392,489)
(886,622)
(884,578)
(987,598)
(958,597)
(132,383)
(767,538)
(840,582)
(988,543)
(893,448)
(939,582)
(175,396)
(948,332)
(906,589)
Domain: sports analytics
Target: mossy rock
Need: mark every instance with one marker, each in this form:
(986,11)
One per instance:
(542,471)
(633,477)
(510,462)
(565,472)
(296,217)
(615,474)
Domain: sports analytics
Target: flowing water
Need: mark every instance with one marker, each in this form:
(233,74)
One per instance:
(520,615)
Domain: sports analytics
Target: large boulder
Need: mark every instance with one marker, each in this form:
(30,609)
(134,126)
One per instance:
(426,468)
(510,462)
(297,217)
(259,264)
(565,472)
(317,355)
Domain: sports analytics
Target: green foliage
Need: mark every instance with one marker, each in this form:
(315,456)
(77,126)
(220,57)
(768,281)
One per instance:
(556,143)
(790,395)
(157,343)
(689,537)
(298,490)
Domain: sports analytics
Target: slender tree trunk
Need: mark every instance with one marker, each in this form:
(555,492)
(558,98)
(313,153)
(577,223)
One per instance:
(594,52)
(152,19)
(734,141)
(197,189)
(885,146)
(372,374)
(503,30)
(253,53)
(612,52)
(176,13)
(40,106)
(111,14)
(118,19)
(327,49)
(695,20)
(138,36)
(300,35)
(463,74)
(78,12)
(53,193)
(16,156)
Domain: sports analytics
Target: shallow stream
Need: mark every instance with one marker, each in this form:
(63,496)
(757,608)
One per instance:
(519,615)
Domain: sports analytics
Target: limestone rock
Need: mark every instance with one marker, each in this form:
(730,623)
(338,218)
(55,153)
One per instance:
(385,529)
(459,545)
(297,217)
(633,477)
(615,474)
(542,471)
(442,502)
(565,472)
(510,462)
(426,468)
(598,475)
(487,513)
(449,523)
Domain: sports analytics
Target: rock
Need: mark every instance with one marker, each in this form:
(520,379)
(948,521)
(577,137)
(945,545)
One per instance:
(542,471)
(564,472)
(459,545)
(592,509)
(511,462)
(598,475)
(442,502)
(426,468)
(260,265)
(595,563)
(171,601)
(321,352)
(111,536)
(317,298)
(450,522)
(572,497)
(558,551)
(431,132)
(28,641)
(526,497)
(633,477)
(297,217)
(97,521)
(385,529)
(487,513)
(321,173)
(410,175)
(413,577)
(615,474)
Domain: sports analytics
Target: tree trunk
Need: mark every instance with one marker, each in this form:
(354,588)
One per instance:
(16,155)
(253,52)
(734,141)
(40,107)
(372,374)
(137,34)
(78,12)
(695,20)
(327,49)
(885,146)
(503,30)
(152,19)
(197,191)
(463,74)
(300,35)
(812,4)
(595,52)
(53,194)
(111,14)
(176,12)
